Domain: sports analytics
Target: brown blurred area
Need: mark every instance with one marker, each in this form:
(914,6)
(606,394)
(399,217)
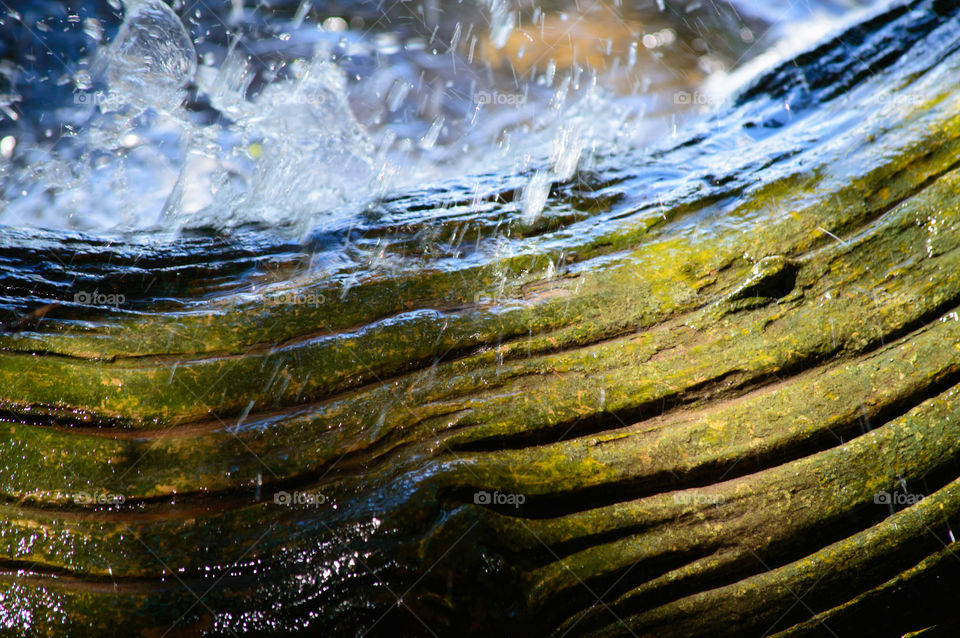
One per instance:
(631,46)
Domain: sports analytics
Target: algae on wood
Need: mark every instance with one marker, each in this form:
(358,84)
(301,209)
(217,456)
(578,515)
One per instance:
(700,389)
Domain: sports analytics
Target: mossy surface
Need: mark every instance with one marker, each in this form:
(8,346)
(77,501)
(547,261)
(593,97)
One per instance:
(666,415)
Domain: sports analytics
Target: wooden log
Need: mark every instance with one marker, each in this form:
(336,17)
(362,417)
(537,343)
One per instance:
(711,392)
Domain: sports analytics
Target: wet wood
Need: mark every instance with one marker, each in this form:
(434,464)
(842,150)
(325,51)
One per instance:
(712,392)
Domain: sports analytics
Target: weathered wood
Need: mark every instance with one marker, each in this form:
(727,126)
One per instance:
(699,370)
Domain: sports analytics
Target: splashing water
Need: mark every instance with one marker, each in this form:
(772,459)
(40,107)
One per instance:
(297,121)
(304,141)
(151,59)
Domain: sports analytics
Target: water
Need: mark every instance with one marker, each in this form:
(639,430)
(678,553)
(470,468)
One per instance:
(146,118)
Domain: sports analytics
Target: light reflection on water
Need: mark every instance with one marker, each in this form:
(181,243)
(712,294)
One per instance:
(290,118)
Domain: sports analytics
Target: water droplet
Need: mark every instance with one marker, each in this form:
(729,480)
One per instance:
(82,80)
(398,92)
(152,56)
(301,13)
(7,145)
(502,21)
(335,25)
(93,29)
(429,139)
(534,196)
